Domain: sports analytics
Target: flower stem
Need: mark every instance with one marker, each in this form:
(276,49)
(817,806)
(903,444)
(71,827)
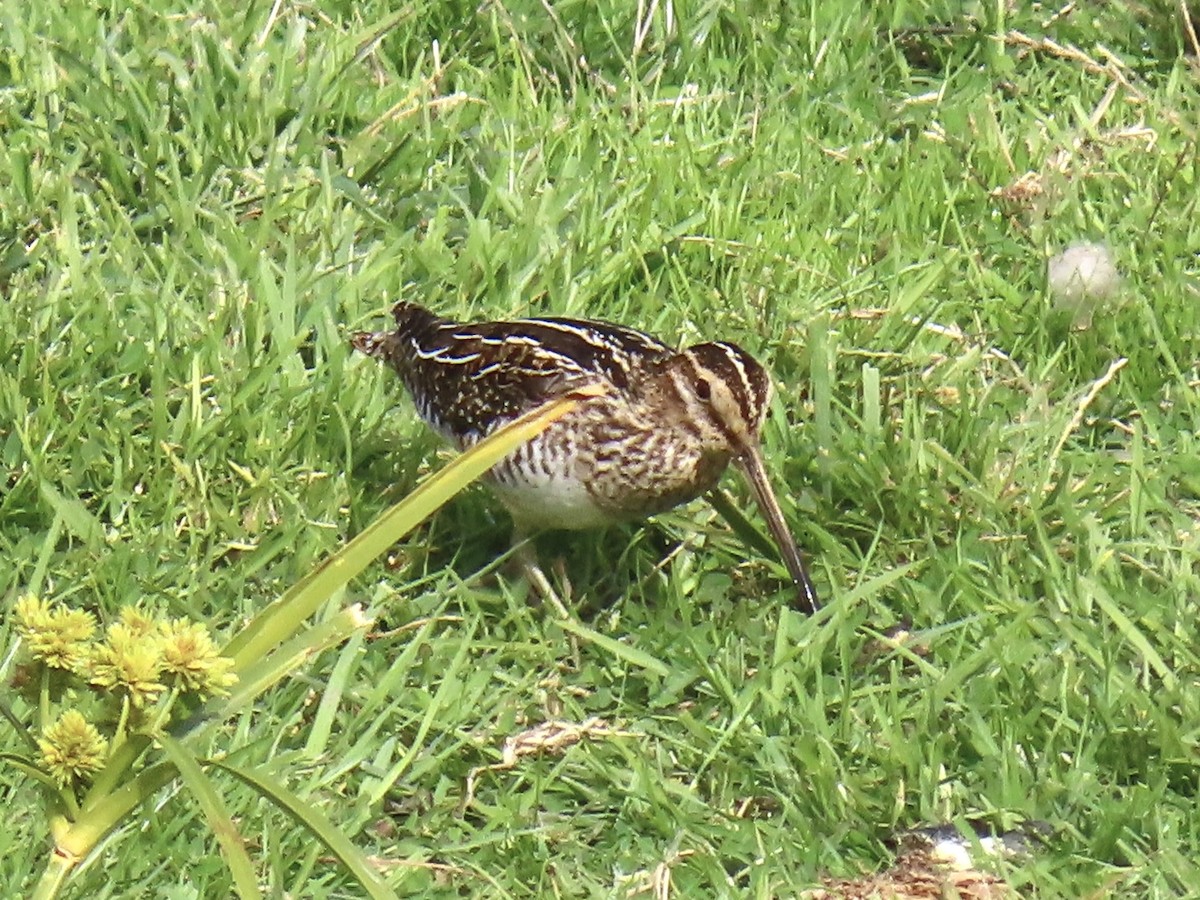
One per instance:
(44,700)
(55,873)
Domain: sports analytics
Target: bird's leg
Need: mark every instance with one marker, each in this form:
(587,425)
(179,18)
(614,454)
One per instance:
(561,577)
(525,554)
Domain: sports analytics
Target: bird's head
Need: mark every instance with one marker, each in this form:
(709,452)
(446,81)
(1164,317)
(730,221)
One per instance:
(725,393)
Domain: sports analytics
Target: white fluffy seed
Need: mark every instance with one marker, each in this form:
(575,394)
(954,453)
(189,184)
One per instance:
(1084,271)
(1082,278)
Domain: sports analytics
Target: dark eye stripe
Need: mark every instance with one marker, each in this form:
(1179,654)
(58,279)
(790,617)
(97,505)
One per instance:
(740,383)
(746,378)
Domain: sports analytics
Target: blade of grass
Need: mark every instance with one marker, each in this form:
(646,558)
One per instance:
(219,820)
(740,524)
(336,686)
(272,669)
(1131,632)
(448,688)
(309,816)
(621,651)
(27,766)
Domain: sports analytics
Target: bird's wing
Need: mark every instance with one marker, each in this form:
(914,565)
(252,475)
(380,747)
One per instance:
(467,378)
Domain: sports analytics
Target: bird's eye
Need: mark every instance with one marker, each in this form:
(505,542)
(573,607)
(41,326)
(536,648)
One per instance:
(703,389)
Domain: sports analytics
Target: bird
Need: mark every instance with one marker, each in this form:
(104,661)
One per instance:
(661,432)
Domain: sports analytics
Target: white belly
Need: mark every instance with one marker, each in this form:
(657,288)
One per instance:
(539,501)
(544,484)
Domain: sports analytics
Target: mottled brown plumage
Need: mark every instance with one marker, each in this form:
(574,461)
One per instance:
(663,432)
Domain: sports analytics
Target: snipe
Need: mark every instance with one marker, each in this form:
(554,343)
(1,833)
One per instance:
(666,428)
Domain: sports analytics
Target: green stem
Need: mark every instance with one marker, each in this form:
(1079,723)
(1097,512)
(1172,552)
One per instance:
(997,26)
(44,701)
(70,802)
(55,873)
(122,723)
(104,813)
(163,716)
(119,763)
(18,726)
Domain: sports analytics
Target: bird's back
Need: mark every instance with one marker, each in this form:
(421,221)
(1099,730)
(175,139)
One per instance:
(467,379)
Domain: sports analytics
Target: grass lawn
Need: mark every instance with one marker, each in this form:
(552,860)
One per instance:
(197,206)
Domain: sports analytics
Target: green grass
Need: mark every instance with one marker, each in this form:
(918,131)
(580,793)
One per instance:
(197,207)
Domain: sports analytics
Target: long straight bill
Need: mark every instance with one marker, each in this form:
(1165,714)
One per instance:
(751,463)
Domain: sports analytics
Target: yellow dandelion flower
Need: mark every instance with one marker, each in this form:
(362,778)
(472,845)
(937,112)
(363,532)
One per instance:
(72,749)
(129,662)
(55,635)
(33,613)
(75,624)
(190,654)
(137,621)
